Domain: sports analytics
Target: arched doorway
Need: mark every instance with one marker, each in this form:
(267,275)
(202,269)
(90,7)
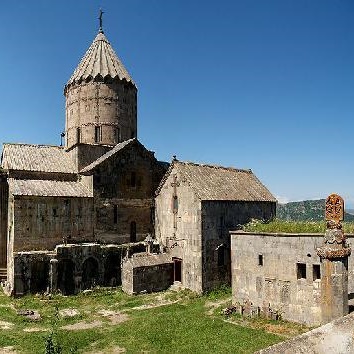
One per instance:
(112,270)
(133,231)
(66,282)
(39,276)
(89,273)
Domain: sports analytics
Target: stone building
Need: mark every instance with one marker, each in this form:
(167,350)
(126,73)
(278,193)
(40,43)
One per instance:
(280,274)
(196,207)
(57,202)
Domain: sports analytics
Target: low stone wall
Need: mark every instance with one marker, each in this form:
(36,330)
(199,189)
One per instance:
(69,268)
(147,273)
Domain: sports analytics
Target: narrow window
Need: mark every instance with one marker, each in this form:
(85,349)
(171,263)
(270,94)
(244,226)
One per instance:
(115,214)
(221,256)
(132,134)
(117,135)
(133,179)
(260,259)
(133,231)
(175,204)
(78,135)
(316,272)
(152,215)
(97,134)
(301,270)
(55,212)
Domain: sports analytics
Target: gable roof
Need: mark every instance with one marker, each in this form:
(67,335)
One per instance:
(119,147)
(220,183)
(39,158)
(48,188)
(100,59)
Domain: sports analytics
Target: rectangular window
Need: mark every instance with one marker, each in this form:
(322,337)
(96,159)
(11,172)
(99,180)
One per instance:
(316,272)
(260,259)
(97,134)
(115,214)
(301,270)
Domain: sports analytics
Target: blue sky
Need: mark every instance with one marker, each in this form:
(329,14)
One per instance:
(260,84)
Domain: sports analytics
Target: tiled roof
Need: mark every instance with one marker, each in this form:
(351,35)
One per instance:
(108,154)
(48,188)
(220,183)
(41,158)
(100,59)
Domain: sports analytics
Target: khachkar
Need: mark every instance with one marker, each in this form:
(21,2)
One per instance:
(334,257)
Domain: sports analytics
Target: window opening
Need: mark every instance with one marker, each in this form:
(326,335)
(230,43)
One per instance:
(115,214)
(97,134)
(301,270)
(316,272)
(133,231)
(78,135)
(133,179)
(260,259)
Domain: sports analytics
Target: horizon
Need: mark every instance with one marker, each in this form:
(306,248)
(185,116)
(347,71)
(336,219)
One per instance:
(245,84)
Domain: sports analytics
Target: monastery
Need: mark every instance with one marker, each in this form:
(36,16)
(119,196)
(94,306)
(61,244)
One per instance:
(102,210)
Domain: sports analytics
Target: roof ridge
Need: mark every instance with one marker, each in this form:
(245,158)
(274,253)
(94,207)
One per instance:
(230,168)
(35,145)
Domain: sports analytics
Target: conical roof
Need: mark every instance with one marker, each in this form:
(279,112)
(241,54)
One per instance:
(100,60)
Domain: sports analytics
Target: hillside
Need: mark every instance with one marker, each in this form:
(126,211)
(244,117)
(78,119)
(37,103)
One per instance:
(307,210)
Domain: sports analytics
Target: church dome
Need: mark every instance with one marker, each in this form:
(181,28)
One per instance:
(100,62)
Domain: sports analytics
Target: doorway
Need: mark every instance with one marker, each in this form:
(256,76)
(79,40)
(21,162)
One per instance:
(177,269)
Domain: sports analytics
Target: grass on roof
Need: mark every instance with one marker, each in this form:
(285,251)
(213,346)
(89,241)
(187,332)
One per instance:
(279,226)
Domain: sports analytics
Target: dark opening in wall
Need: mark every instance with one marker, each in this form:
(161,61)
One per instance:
(316,272)
(221,256)
(78,135)
(115,214)
(97,134)
(133,179)
(301,270)
(260,259)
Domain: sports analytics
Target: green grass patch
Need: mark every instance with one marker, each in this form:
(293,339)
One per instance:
(278,226)
(168,322)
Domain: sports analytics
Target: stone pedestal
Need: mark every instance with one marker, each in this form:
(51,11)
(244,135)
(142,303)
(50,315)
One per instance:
(334,289)
(334,273)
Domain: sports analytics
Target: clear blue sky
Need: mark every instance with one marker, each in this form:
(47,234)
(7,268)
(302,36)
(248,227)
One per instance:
(260,84)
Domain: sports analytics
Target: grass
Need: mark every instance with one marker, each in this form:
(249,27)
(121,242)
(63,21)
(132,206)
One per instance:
(184,324)
(293,226)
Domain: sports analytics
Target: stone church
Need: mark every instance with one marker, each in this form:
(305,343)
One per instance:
(74,216)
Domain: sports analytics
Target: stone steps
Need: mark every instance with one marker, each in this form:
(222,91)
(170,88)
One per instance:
(3,274)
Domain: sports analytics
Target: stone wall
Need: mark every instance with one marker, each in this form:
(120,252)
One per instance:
(84,154)
(4,191)
(278,271)
(218,218)
(124,187)
(110,107)
(147,273)
(180,233)
(69,268)
(40,223)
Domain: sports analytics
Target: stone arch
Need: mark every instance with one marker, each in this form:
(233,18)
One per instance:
(112,270)
(90,273)
(66,272)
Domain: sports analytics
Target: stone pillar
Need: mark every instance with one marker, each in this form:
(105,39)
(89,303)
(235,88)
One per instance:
(334,257)
(53,275)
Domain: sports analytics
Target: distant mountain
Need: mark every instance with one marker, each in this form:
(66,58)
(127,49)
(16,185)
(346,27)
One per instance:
(307,210)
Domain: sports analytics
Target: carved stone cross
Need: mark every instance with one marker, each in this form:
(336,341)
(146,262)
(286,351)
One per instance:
(334,208)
